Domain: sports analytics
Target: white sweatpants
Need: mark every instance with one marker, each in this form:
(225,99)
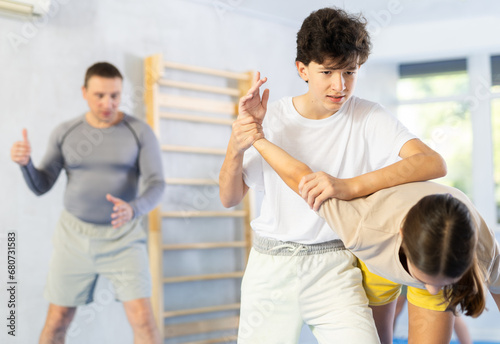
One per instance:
(324,290)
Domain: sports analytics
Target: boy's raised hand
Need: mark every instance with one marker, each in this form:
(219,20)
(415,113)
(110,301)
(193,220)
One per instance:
(21,150)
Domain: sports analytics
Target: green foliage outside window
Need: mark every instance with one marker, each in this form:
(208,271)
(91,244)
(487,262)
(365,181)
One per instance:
(433,86)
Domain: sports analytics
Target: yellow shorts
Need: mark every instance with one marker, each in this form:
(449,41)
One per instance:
(381,291)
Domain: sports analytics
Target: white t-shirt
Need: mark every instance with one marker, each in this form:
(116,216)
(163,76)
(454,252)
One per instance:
(361,137)
(369,227)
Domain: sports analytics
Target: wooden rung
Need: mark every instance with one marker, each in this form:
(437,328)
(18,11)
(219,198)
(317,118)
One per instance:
(225,339)
(201,310)
(205,245)
(197,119)
(197,104)
(209,71)
(205,326)
(198,87)
(187,181)
(195,150)
(196,213)
(206,277)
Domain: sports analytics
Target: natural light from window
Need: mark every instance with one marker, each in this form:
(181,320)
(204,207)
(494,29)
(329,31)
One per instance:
(434,108)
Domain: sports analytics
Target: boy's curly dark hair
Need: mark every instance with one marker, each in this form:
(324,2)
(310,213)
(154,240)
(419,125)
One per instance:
(333,34)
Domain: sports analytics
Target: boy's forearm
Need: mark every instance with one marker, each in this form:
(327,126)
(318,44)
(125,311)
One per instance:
(232,188)
(288,168)
(418,167)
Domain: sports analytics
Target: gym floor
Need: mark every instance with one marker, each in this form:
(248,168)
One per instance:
(405,341)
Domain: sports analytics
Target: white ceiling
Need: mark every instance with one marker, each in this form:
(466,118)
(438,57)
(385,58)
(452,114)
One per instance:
(403,11)
(401,30)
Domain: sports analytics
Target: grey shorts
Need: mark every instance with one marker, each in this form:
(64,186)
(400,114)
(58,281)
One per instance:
(83,251)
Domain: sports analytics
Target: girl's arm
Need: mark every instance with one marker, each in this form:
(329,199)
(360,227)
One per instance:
(288,168)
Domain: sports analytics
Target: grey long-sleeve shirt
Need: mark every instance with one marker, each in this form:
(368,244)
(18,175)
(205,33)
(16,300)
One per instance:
(98,162)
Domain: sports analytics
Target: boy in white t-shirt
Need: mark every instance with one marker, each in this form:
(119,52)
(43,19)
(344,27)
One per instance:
(299,271)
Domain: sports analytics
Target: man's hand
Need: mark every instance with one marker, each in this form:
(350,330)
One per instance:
(251,104)
(21,150)
(122,211)
(316,188)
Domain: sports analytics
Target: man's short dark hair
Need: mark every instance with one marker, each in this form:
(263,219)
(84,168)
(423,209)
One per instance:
(333,34)
(102,69)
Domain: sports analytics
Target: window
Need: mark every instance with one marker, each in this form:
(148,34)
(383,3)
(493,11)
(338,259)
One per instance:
(433,105)
(495,74)
(495,126)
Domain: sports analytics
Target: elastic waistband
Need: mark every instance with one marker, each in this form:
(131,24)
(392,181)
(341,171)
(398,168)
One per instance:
(94,230)
(288,248)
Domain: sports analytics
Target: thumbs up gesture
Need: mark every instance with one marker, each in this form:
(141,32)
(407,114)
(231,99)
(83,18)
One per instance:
(21,150)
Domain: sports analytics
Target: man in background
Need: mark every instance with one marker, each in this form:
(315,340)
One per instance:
(100,232)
